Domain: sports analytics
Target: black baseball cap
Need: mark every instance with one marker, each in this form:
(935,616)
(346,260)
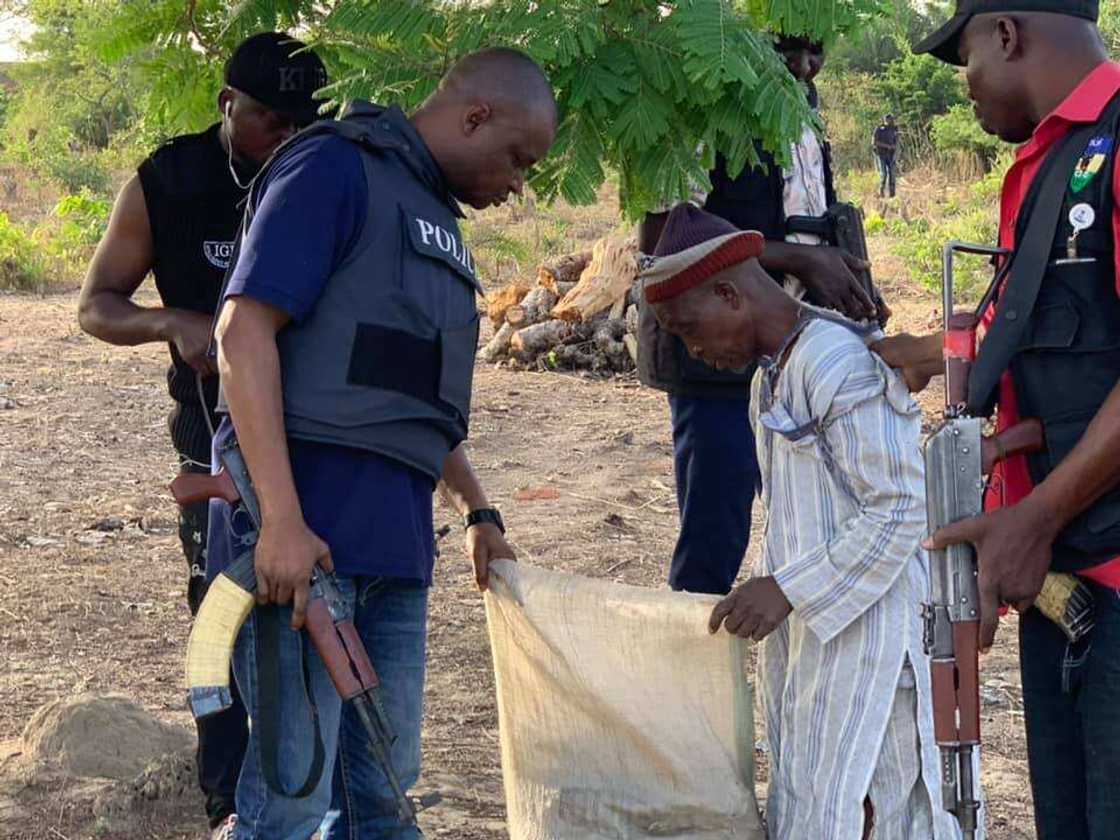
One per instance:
(280,72)
(945,42)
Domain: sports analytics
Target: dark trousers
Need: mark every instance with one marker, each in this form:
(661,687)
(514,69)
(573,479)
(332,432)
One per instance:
(1071,697)
(717,476)
(887,174)
(222,737)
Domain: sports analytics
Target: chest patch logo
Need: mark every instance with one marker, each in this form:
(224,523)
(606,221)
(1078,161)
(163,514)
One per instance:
(218,254)
(1091,163)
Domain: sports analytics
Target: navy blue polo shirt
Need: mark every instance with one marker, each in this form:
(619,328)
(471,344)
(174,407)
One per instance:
(375,513)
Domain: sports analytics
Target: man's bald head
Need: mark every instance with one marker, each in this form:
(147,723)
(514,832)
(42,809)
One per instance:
(1020,66)
(492,118)
(502,76)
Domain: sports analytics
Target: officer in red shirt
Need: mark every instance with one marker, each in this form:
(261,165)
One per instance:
(1038,73)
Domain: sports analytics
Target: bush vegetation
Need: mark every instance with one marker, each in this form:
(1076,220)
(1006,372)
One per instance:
(106,81)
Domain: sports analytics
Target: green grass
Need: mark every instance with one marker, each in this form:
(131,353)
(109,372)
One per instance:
(934,206)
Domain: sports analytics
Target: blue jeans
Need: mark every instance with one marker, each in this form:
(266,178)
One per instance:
(352,799)
(1071,697)
(717,476)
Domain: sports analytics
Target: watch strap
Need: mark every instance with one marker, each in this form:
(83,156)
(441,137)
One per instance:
(477,517)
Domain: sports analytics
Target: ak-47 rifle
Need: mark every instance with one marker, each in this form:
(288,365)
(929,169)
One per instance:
(329,623)
(842,226)
(958,457)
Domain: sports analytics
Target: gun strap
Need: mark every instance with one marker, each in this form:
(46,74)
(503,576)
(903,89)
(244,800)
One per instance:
(268,705)
(1027,269)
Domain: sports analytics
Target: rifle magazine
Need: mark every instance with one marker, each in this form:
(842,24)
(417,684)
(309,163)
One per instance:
(210,645)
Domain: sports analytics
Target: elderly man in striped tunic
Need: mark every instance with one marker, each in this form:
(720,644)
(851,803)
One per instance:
(843,676)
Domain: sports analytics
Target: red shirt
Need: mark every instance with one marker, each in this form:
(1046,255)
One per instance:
(1011,481)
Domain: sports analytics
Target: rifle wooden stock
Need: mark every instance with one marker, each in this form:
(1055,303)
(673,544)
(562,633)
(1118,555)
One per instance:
(192,488)
(329,623)
(341,650)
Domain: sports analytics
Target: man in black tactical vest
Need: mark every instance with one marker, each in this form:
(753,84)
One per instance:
(346,349)
(1038,73)
(177,218)
(714,453)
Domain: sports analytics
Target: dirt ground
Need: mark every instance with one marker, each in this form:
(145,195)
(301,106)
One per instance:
(93,580)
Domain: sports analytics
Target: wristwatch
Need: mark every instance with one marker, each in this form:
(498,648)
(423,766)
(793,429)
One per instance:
(477,517)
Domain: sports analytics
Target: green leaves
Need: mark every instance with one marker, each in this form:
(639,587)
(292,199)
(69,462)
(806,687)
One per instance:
(643,85)
(642,121)
(715,44)
(821,20)
(574,168)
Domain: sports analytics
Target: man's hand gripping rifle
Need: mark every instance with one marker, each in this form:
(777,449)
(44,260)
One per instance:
(958,457)
(842,227)
(329,623)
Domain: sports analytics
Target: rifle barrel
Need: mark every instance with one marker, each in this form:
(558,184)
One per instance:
(380,746)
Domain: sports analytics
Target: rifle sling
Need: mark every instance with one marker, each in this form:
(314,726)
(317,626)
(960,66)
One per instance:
(268,704)
(1026,271)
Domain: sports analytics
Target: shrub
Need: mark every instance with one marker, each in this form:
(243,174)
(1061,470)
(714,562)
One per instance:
(874,223)
(919,88)
(85,216)
(81,221)
(22,263)
(959,131)
(851,111)
(51,152)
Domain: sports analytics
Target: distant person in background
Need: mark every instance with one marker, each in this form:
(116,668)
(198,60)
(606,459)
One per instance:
(177,218)
(886,148)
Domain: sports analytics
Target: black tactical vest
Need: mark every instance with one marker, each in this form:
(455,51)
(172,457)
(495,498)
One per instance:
(1068,361)
(194,209)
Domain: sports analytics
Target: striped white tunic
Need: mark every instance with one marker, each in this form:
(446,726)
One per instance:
(845,681)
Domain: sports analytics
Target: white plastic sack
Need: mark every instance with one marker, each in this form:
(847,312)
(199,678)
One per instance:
(620,716)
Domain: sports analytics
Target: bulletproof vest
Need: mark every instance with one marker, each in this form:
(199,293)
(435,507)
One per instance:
(1067,361)
(385,361)
(751,201)
(194,209)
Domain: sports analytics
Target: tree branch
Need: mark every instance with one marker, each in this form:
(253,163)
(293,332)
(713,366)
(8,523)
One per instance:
(208,47)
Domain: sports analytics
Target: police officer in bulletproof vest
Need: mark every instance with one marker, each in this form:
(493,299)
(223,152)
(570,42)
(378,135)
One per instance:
(346,349)
(1039,74)
(714,461)
(177,218)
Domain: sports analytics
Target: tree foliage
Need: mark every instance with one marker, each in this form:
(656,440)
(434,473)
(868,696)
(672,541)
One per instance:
(69,104)
(641,83)
(917,88)
(886,38)
(959,131)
